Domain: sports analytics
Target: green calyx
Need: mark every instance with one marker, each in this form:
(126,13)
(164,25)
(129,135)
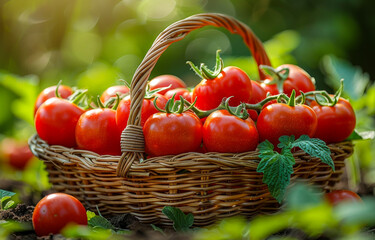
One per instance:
(113,101)
(240,111)
(277,77)
(175,106)
(327,100)
(149,94)
(205,73)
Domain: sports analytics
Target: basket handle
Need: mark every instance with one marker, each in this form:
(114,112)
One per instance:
(132,139)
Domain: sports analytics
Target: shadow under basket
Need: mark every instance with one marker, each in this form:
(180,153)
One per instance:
(211,186)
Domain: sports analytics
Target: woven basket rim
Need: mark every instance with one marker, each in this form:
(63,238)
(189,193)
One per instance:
(111,161)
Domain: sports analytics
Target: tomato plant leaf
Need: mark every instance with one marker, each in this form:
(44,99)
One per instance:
(286,141)
(361,135)
(4,193)
(315,147)
(100,222)
(90,215)
(181,221)
(276,168)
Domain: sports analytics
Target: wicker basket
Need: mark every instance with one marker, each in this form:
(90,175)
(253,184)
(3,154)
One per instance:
(212,186)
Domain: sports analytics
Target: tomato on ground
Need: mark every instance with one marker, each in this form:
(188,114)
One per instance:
(55,211)
(224,132)
(335,123)
(163,81)
(56,120)
(280,119)
(172,133)
(97,131)
(338,196)
(50,92)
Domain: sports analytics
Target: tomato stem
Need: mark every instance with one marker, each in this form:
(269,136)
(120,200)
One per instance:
(292,99)
(100,103)
(277,77)
(77,96)
(151,93)
(205,73)
(57,94)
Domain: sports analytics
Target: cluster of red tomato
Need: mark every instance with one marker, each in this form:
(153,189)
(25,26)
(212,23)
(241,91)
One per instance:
(200,121)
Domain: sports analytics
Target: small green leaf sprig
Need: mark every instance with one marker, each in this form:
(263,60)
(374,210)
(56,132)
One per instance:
(277,167)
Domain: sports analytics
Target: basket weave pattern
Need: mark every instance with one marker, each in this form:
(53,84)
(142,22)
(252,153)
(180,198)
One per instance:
(212,186)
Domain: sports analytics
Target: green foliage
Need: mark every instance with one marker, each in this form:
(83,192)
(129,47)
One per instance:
(278,167)
(5,199)
(181,222)
(9,227)
(315,148)
(98,228)
(305,212)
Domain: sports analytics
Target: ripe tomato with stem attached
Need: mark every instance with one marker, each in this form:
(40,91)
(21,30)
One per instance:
(335,123)
(98,131)
(172,133)
(279,119)
(219,84)
(224,132)
(287,77)
(55,211)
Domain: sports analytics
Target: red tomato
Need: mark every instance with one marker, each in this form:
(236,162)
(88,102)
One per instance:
(56,120)
(335,123)
(224,132)
(172,133)
(49,92)
(269,88)
(185,93)
(148,108)
(232,81)
(97,131)
(338,196)
(257,95)
(15,153)
(164,81)
(298,79)
(280,119)
(55,211)
(111,92)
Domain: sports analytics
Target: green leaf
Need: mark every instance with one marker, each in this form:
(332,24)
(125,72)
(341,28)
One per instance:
(181,222)
(361,135)
(100,222)
(90,215)
(7,203)
(316,148)
(286,141)
(4,193)
(85,232)
(264,226)
(276,169)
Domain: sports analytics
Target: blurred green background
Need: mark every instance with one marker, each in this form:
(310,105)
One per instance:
(94,43)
